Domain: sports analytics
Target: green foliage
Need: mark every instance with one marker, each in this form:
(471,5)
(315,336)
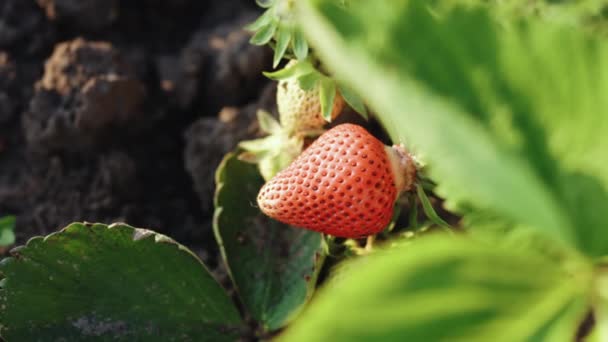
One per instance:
(298,69)
(601,309)
(299,45)
(428,209)
(327,92)
(505,124)
(264,34)
(94,283)
(515,136)
(353,100)
(7,230)
(283,38)
(273,266)
(276,26)
(589,15)
(444,288)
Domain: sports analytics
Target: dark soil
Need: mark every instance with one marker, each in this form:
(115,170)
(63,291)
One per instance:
(121,110)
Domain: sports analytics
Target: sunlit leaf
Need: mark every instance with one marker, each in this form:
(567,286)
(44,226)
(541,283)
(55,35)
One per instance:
(443,288)
(505,124)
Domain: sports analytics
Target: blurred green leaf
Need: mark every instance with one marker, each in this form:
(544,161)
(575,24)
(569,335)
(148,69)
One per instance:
(274,267)
(299,45)
(261,21)
(264,34)
(594,336)
(443,288)
(265,145)
(429,211)
(505,123)
(327,95)
(283,38)
(94,282)
(601,306)
(296,69)
(268,124)
(7,230)
(353,100)
(309,81)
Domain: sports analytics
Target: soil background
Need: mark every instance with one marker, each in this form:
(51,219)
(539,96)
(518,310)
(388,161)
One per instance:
(120,111)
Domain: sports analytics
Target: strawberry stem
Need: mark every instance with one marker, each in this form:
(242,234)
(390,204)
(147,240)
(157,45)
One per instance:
(429,211)
(330,247)
(369,244)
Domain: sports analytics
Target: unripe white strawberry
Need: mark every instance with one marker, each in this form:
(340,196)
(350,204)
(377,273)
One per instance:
(300,110)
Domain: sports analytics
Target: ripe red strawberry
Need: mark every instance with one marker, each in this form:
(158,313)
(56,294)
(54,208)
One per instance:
(344,184)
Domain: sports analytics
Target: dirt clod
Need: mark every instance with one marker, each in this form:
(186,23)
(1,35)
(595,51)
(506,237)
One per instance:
(209,139)
(22,23)
(87,88)
(236,67)
(8,75)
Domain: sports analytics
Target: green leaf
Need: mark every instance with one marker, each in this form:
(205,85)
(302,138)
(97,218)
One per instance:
(327,95)
(299,45)
(505,124)
(94,282)
(265,34)
(447,289)
(601,305)
(353,100)
(297,69)
(264,20)
(283,39)
(268,124)
(7,230)
(274,267)
(268,144)
(309,81)
(429,211)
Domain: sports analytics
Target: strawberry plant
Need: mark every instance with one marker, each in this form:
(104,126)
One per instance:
(498,108)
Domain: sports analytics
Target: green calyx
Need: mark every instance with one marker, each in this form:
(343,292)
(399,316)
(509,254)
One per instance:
(274,152)
(277,27)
